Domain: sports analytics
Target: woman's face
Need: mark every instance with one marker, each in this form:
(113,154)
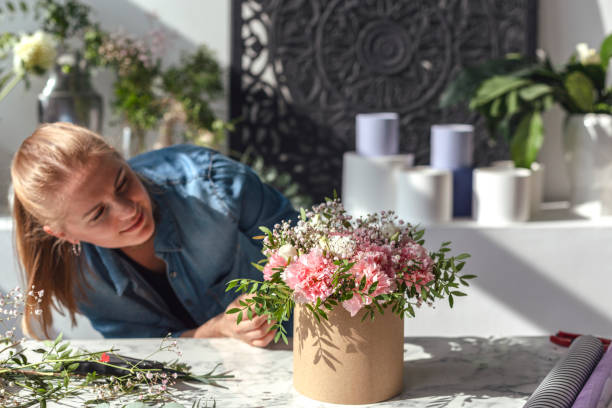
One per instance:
(106,204)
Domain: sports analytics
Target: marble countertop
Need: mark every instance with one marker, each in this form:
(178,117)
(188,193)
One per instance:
(438,371)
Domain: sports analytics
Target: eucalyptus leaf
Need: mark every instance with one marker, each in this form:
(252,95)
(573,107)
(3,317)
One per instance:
(495,108)
(512,104)
(535,91)
(527,140)
(495,87)
(581,90)
(605,51)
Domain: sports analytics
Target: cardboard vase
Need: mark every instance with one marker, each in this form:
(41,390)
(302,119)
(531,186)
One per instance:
(345,360)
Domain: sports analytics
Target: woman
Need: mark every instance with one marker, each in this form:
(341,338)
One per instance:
(142,249)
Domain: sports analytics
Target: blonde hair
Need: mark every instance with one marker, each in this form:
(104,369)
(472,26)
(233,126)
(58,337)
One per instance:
(44,162)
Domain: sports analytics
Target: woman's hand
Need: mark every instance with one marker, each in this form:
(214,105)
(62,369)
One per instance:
(255,332)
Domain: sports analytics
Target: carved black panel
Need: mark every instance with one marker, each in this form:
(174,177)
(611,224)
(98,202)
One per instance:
(302,69)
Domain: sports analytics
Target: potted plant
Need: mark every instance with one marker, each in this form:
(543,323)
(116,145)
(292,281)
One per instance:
(513,92)
(350,281)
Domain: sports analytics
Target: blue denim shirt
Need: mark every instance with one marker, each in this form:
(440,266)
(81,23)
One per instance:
(208,208)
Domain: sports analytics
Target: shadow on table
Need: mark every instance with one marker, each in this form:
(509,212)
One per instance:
(476,367)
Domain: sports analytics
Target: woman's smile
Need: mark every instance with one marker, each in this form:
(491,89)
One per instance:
(137,223)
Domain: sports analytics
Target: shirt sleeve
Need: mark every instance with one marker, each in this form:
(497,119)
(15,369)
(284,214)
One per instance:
(252,202)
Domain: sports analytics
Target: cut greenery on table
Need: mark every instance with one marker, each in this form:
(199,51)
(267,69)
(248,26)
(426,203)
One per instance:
(32,374)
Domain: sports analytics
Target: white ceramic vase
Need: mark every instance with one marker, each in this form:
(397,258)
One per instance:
(588,156)
(368,183)
(424,195)
(501,195)
(537,183)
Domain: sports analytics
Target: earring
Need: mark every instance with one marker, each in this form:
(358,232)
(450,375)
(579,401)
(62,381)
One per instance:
(76,249)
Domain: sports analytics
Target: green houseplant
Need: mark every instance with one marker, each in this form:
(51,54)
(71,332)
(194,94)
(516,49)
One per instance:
(513,92)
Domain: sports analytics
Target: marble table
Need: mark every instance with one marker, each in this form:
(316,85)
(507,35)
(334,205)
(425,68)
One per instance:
(438,372)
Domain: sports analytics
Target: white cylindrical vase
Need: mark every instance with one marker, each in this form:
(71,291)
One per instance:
(377,134)
(368,183)
(588,155)
(501,195)
(424,195)
(537,183)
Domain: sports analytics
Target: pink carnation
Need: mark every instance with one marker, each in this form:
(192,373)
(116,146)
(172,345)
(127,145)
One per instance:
(310,277)
(373,272)
(274,262)
(419,263)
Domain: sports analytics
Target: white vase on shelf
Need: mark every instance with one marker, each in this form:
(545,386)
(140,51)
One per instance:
(537,183)
(369,183)
(588,156)
(424,195)
(501,195)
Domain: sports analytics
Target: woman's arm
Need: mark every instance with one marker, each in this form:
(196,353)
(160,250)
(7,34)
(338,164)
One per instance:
(255,332)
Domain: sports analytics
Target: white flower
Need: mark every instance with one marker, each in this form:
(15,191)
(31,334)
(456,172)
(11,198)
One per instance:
(587,55)
(34,53)
(342,246)
(389,229)
(287,251)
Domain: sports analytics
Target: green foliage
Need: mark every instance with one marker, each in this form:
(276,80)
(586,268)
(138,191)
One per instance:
(64,18)
(512,93)
(52,377)
(280,180)
(195,82)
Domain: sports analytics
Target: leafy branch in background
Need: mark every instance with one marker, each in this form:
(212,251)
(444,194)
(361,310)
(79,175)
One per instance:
(280,180)
(136,69)
(512,93)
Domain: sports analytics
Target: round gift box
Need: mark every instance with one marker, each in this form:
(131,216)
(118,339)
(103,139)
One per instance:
(345,360)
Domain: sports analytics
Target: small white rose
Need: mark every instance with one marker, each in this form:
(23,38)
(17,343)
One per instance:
(287,251)
(587,55)
(34,53)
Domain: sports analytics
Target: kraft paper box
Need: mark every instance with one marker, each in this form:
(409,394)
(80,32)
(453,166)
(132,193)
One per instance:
(347,361)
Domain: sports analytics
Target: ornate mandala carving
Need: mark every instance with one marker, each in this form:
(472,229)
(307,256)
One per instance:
(302,69)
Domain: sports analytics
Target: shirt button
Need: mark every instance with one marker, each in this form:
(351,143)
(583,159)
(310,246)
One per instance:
(173,274)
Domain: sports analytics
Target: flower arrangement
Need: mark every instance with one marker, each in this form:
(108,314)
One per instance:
(330,259)
(57,371)
(512,93)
